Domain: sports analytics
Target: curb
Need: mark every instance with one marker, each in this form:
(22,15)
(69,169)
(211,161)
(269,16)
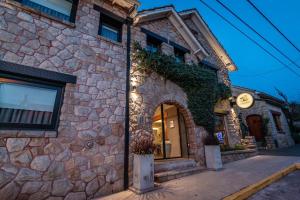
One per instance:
(254,188)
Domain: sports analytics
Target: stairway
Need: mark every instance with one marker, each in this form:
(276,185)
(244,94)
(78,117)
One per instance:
(165,170)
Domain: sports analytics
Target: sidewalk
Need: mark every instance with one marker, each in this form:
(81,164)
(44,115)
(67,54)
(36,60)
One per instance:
(211,185)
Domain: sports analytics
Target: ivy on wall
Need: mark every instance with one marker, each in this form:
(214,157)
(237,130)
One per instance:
(199,83)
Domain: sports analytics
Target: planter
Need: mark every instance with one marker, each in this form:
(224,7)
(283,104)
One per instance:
(213,157)
(143,173)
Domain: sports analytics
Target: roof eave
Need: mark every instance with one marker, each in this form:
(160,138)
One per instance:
(216,45)
(169,12)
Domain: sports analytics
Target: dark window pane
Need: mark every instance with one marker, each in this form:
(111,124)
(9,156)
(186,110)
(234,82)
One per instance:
(58,8)
(110,28)
(179,55)
(153,45)
(110,32)
(26,104)
(276,118)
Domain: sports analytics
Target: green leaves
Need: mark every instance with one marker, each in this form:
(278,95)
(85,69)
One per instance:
(198,81)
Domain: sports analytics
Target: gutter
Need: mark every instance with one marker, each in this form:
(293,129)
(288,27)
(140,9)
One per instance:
(129,22)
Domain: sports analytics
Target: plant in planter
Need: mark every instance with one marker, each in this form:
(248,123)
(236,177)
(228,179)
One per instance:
(143,161)
(212,153)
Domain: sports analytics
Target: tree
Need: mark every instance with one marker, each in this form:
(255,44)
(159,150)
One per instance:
(289,108)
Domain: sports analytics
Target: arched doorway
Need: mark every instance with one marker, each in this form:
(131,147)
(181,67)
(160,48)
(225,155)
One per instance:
(169,130)
(255,126)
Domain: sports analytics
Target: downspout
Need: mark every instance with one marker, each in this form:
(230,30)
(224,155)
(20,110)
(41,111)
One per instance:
(129,22)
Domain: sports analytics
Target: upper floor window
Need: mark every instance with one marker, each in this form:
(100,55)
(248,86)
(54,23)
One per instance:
(179,55)
(110,28)
(29,104)
(153,44)
(61,9)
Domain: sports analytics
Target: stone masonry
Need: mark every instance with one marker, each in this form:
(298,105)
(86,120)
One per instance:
(84,159)
(231,120)
(264,109)
(151,90)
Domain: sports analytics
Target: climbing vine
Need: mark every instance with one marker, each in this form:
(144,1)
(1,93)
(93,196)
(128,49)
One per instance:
(198,81)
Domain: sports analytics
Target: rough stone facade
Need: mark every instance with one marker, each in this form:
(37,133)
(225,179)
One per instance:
(84,159)
(212,57)
(151,90)
(264,109)
(231,120)
(232,156)
(43,164)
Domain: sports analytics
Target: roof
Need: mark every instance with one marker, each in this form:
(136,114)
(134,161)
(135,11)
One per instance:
(210,37)
(130,5)
(170,13)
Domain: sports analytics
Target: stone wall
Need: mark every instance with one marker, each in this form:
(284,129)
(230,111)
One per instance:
(263,108)
(212,56)
(232,124)
(38,165)
(231,156)
(151,90)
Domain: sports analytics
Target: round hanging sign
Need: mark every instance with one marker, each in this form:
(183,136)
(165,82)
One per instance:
(245,100)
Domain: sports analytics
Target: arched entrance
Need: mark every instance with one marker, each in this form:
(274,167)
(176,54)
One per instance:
(169,130)
(255,126)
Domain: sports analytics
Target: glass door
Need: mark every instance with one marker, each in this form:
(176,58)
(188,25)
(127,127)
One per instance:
(169,133)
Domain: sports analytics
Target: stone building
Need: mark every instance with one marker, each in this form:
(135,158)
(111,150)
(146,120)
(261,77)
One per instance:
(265,120)
(66,97)
(62,129)
(160,106)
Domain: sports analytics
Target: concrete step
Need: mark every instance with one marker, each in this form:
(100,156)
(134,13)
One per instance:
(174,174)
(173,164)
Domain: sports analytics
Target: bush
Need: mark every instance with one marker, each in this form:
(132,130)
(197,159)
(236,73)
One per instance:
(239,147)
(142,143)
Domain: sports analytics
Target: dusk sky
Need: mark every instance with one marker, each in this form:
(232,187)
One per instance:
(256,69)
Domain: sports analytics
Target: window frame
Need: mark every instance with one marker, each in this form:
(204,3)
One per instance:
(112,23)
(277,120)
(59,87)
(155,41)
(50,12)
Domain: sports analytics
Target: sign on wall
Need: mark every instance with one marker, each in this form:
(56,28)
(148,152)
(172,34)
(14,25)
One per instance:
(245,100)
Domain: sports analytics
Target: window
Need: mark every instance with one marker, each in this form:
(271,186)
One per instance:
(179,55)
(153,45)
(110,28)
(30,105)
(61,9)
(276,118)
(220,128)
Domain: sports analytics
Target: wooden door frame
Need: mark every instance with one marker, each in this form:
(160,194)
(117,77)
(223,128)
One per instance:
(261,121)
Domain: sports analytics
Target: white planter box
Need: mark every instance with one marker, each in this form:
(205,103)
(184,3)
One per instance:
(143,173)
(213,157)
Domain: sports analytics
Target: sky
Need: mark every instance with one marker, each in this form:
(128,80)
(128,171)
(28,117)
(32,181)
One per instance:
(256,69)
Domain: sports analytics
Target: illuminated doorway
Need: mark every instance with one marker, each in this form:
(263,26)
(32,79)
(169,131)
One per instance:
(169,130)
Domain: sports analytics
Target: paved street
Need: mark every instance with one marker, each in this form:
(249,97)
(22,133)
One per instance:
(211,185)
(285,189)
(294,151)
